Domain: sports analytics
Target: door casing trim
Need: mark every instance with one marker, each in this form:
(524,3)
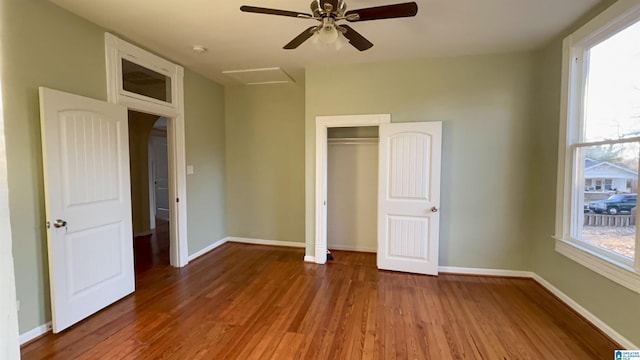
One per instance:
(115,50)
(322,125)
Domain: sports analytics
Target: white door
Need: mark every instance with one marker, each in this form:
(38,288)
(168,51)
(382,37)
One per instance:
(409,197)
(160,168)
(88,204)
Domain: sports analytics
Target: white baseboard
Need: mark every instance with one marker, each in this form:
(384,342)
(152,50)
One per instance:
(597,322)
(34,333)
(197,254)
(311,259)
(352,248)
(266,242)
(488,272)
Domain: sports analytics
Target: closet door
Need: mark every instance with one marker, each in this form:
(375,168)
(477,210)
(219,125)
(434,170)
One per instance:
(409,197)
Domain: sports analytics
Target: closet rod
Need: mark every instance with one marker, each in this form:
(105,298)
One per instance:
(353,141)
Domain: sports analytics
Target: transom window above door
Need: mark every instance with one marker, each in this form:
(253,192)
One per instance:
(139,80)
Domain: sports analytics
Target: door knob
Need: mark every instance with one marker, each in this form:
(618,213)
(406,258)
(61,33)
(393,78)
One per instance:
(59,223)
(434,209)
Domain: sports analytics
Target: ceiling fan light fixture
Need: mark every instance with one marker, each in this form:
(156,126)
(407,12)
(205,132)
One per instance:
(329,13)
(341,41)
(328,34)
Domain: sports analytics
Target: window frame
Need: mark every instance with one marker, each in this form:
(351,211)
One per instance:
(613,266)
(116,51)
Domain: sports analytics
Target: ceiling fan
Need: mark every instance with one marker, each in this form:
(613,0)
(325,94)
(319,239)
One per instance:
(329,12)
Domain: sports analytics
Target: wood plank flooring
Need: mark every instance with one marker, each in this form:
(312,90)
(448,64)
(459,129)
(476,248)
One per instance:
(258,302)
(153,249)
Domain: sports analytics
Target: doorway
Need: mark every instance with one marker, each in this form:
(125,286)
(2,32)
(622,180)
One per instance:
(352,188)
(409,160)
(323,125)
(149,190)
(144,82)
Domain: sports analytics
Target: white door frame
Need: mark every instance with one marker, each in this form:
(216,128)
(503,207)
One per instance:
(322,124)
(117,49)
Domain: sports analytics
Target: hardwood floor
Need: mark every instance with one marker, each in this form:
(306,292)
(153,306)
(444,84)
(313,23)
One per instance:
(152,250)
(250,301)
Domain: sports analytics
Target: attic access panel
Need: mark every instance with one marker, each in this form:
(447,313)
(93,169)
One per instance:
(273,75)
(143,81)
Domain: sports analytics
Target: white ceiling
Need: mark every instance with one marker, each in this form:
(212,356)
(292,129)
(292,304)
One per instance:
(239,40)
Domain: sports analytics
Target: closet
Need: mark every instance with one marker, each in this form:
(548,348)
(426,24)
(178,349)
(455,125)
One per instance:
(352,188)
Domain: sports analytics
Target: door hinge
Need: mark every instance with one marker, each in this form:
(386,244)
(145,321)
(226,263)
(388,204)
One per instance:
(48,225)
(177,200)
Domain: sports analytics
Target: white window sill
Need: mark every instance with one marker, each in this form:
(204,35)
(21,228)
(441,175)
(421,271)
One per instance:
(620,273)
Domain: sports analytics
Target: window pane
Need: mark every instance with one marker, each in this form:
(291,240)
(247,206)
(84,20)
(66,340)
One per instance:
(140,80)
(610,206)
(612,102)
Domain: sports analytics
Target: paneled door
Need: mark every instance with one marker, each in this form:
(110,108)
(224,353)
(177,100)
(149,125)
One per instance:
(85,148)
(160,177)
(409,197)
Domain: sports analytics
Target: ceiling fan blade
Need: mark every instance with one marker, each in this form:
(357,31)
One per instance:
(260,10)
(300,38)
(358,41)
(384,12)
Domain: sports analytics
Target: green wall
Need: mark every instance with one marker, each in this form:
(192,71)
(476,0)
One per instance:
(43,45)
(484,103)
(205,134)
(265,161)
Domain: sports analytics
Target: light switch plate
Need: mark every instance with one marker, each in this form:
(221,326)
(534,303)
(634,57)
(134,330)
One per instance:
(189,169)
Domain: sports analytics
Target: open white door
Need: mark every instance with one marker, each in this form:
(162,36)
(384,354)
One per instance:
(85,148)
(409,197)
(160,177)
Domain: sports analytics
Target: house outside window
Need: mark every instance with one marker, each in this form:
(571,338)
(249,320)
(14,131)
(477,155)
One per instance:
(599,150)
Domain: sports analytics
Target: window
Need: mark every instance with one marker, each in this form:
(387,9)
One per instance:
(138,79)
(598,185)
(599,155)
